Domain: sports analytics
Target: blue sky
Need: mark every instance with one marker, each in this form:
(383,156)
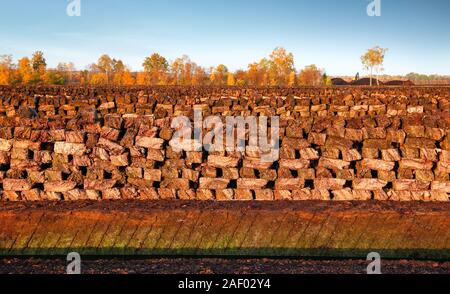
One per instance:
(332,34)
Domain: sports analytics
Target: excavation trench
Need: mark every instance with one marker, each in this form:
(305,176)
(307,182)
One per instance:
(316,229)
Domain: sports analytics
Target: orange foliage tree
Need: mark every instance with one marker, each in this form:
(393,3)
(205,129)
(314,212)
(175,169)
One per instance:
(25,70)
(281,64)
(311,76)
(6,69)
(156,68)
(218,75)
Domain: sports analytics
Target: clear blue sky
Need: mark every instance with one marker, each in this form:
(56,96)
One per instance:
(330,33)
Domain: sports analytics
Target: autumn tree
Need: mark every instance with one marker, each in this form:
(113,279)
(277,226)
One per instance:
(38,61)
(231,80)
(156,68)
(84,77)
(310,76)
(281,64)
(96,76)
(6,69)
(25,70)
(199,77)
(109,70)
(141,78)
(121,74)
(218,75)
(105,66)
(54,78)
(292,79)
(117,65)
(373,60)
(67,71)
(258,73)
(182,71)
(38,66)
(124,78)
(253,74)
(240,77)
(99,79)
(274,71)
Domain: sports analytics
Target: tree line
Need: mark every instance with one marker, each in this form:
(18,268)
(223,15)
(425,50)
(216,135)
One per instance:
(277,69)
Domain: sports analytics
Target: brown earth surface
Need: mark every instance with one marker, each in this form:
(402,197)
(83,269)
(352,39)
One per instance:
(219,266)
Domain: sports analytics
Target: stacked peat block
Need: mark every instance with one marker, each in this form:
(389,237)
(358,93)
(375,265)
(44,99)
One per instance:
(115,143)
